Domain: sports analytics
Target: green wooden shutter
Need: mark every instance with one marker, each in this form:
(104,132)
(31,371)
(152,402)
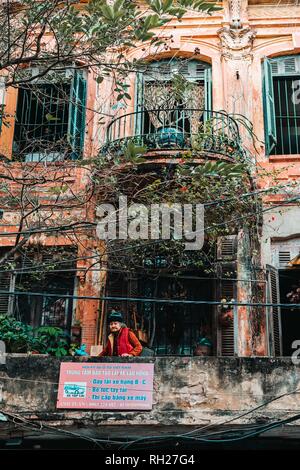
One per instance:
(274,313)
(5,285)
(269,107)
(208,93)
(139,103)
(227,288)
(77,114)
(285,65)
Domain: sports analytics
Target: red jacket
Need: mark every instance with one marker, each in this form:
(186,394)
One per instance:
(127,343)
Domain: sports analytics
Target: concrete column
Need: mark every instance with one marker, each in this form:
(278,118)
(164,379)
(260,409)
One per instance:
(251,322)
(243,295)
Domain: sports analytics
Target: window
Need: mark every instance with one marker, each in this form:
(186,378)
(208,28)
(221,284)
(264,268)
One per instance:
(50,119)
(170,329)
(45,271)
(283,322)
(162,106)
(176,328)
(283,287)
(281,85)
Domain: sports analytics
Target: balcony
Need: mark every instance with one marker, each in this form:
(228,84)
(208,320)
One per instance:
(206,133)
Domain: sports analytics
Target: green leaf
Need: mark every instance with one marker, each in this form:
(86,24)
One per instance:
(132,151)
(108,12)
(50,117)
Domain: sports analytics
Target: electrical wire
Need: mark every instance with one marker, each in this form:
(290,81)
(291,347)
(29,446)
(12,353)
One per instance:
(123,249)
(247,431)
(263,428)
(153,300)
(123,271)
(206,229)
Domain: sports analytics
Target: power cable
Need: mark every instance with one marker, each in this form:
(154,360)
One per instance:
(152,300)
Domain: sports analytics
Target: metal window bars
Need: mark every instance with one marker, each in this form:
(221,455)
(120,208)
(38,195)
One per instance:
(50,120)
(287,115)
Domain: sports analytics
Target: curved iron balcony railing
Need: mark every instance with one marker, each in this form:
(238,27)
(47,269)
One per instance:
(177,128)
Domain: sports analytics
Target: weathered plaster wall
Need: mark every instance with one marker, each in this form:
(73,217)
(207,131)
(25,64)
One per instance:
(236,56)
(195,391)
(280,223)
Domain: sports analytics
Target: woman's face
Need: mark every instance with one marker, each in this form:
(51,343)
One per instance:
(114,326)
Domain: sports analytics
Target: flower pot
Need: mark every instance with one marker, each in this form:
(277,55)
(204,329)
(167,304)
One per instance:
(170,137)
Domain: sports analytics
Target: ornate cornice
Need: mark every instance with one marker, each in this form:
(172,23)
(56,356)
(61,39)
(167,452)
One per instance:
(237,43)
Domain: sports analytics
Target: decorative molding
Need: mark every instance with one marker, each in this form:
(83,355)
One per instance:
(235,7)
(275,46)
(236,43)
(199,41)
(273,11)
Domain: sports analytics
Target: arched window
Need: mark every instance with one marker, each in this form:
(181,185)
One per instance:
(281,93)
(173,93)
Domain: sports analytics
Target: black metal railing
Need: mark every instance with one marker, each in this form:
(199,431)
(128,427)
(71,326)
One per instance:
(178,128)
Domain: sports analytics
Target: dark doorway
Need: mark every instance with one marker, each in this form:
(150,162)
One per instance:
(170,328)
(289,281)
(176,328)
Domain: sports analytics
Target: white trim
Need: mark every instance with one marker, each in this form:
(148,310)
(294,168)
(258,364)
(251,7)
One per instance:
(283,252)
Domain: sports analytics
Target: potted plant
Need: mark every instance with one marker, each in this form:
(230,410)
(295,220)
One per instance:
(15,334)
(51,340)
(170,137)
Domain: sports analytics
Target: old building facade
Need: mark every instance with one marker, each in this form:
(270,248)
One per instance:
(243,60)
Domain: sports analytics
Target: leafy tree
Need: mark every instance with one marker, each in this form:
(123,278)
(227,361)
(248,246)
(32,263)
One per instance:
(48,35)
(41,39)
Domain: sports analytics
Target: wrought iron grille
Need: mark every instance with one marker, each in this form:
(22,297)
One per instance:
(42,119)
(50,120)
(287,115)
(177,128)
(176,328)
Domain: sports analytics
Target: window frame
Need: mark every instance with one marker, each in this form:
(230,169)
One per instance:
(76,120)
(283,66)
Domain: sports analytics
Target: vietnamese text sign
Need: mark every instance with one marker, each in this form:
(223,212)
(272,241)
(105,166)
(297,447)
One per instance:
(116,386)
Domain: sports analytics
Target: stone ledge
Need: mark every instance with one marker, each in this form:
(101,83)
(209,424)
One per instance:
(187,390)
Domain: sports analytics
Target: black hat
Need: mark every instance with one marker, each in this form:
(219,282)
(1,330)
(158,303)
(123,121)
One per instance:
(115,316)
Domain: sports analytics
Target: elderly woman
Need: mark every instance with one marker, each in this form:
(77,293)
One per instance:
(121,341)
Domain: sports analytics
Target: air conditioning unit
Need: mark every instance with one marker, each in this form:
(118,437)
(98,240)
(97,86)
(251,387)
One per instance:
(44,157)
